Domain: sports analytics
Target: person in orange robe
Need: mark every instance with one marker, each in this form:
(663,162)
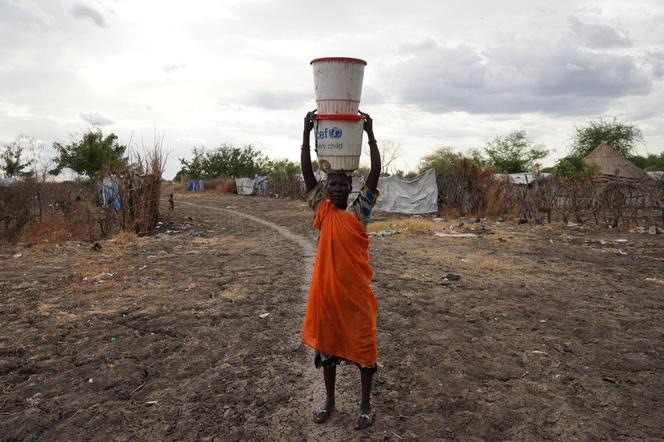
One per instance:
(340,321)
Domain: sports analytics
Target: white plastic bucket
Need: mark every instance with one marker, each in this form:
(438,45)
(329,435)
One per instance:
(338,84)
(339,141)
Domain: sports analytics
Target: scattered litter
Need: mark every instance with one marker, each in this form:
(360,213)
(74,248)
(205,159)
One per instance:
(539,352)
(194,232)
(263,315)
(452,277)
(542,320)
(551,241)
(655,280)
(17,255)
(191,286)
(382,233)
(104,275)
(143,267)
(437,219)
(151,402)
(417,216)
(655,230)
(114,338)
(455,235)
(620,252)
(571,224)
(608,379)
(96,246)
(620,241)
(90,380)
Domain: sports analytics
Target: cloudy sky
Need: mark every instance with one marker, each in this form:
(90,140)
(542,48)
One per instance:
(447,73)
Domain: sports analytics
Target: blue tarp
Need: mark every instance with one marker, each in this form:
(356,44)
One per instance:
(195,185)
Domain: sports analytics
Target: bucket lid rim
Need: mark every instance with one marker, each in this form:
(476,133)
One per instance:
(345,117)
(349,59)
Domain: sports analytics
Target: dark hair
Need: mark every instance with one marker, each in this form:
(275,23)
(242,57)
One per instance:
(345,175)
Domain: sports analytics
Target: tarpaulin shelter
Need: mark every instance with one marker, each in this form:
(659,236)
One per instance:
(250,186)
(411,196)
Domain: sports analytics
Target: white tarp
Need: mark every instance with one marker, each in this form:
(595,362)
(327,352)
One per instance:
(520,178)
(416,195)
(247,186)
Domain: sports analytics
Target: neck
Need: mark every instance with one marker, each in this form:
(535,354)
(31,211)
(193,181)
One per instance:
(340,205)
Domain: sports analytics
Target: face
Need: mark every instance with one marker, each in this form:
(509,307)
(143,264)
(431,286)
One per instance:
(338,188)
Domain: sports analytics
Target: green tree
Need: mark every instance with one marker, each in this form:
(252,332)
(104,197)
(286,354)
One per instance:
(445,159)
(90,155)
(193,168)
(442,160)
(651,162)
(574,167)
(10,161)
(281,167)
(622,137)
(513,153)
(225,160)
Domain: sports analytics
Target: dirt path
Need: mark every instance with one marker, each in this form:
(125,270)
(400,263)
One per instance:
(550,333)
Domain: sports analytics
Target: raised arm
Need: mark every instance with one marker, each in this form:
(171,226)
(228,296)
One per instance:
(305,155)
(374,173)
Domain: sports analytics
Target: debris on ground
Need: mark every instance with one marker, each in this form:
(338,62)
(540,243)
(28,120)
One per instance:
(455,235)
(263,315)
(382,233)
(96,246)
(452,277)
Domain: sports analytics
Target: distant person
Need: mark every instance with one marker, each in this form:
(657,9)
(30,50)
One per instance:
(340,321)
(171,203)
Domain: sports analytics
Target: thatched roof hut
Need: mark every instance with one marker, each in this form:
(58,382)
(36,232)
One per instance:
(611,164)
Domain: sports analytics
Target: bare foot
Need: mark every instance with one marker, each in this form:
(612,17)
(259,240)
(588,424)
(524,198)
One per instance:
(324,414)
(365,419)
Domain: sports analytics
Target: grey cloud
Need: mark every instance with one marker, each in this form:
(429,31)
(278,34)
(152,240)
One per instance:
(278,99)
(173,67)
(656,60)
(83,11)
(96,119)
(598,35)
(562,79)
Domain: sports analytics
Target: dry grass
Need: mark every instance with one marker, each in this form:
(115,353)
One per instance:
(56,228)
(125,237)
(410,224)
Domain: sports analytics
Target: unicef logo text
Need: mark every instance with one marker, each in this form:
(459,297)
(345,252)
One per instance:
(333,132)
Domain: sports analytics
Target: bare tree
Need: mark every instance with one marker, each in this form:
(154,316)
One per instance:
(389,153)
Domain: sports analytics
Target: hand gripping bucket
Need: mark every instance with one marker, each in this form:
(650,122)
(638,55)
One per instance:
(338,84)
(339,141)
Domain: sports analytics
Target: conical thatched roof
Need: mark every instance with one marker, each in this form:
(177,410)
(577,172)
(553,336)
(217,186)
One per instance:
(611,163)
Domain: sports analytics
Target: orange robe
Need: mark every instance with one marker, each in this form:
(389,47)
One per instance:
(341,309)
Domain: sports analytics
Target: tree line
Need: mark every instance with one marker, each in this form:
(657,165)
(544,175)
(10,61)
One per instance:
(515,153)
(510,153)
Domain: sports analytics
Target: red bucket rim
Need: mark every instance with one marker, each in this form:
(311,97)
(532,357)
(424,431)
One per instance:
(345,117)
(349,59)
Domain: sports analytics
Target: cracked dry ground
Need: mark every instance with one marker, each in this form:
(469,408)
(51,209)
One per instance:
(160,338)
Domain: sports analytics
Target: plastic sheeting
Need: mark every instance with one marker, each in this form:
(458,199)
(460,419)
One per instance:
(249,186)
(416,195)
(195,185)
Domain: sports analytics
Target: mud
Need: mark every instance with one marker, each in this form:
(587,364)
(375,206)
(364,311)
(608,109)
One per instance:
(550,333)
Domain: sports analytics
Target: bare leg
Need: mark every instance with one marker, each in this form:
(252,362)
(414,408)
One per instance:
(330,376)
(367,414)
